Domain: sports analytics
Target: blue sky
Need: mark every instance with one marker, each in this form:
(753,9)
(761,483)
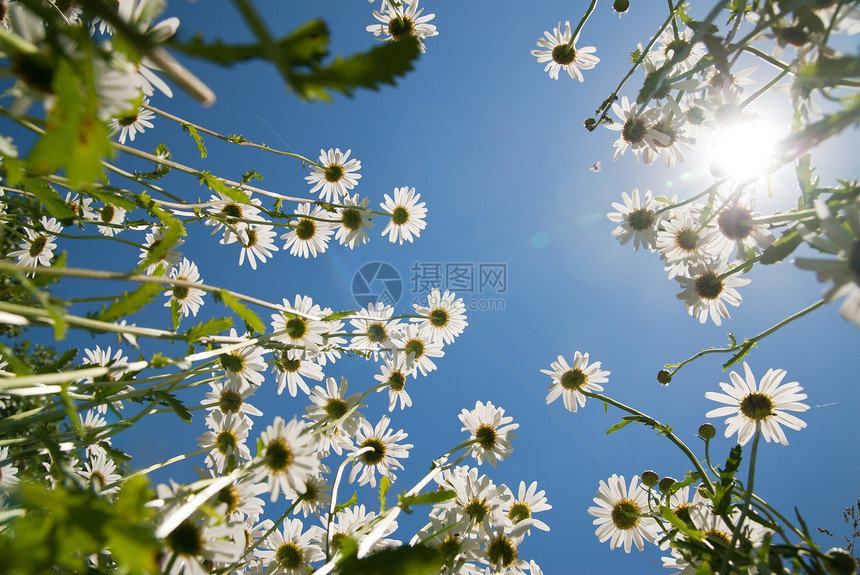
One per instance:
(497,151)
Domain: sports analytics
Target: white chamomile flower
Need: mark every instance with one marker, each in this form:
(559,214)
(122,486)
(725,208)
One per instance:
(418,349)
(81,206)
(226,214)
(527,502)
(291,550)
(243,366)
(398,20)
(682,242)
(394,375)
(288,457)
(190,299)
(739,233)
(445,316)
(300,325)
(38,248)
(570,381)
(705,295)
(258,243)
(132,122)
(111,218)
(100,471)
(8,472)
(620,514)
(383,454)
(292,366)
(231,397)
(355,221)
(560,53)
(335,175)
(331,405)
(226,440)
(476,496)
(491,430)
(374,328)
(765,404)
(407,215)
(310,235)
(171,257)
(636,127)
(637,218)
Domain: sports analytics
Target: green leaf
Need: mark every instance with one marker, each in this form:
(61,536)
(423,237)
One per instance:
(745,349)
(429,498)
(157,251)
(174,404)
(109,197)
(829,70)
(78,138)
(49,198)
(782,248)
(251,319)
(371,69)
(175,313)
(201,330)
(304,46)
(384,484)
(18,367)
(189,129)
(414,560)
(130,303)
(338,315)
(620,425)
(217,185)
(61,363)
(345,504)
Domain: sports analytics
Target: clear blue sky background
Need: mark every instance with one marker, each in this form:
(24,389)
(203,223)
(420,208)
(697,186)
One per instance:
(498,152)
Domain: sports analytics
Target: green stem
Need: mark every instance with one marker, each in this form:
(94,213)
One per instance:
(750,342)
(663,429)
(724,569)
(581,24)
(232,140)
(737,269)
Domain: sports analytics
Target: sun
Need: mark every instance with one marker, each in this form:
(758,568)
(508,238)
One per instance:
(744,150)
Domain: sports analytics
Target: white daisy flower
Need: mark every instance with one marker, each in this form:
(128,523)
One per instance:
(8,472)
(384,454)
(111,217)
(671,42)
(258,243)
(491,430)
(200,540)
(288,457)
(244,366)
(407,215)
(38,248)
(331,406)
(461,551)
(117,363)
(100,471)
(683,242)
(418,349)
(667,138)
(226,440)
(289,551)
(638,220)
(315,496)
(445,316)
(569,381)
(227,215)
(620,514)
(95,431)
(348,521)
(230,397)
(637,128)
(132,122)
(80,206)
(291,366)
(764,404)
(355,221)
(189,299)
(335,176)
(844,271)
(740,232)
(527,502)
(399,20)
(169,260)
(300,329)
(310,235)
(500,550)
(557,50)
(394,375)
(476,496)
(239,499)
(704,296)
(373,328)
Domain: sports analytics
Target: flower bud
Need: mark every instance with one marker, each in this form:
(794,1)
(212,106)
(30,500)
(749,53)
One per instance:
(707,431)
(649,478)
(664,376)
(840,562)
(590,124)
(666,484)
(621,6)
